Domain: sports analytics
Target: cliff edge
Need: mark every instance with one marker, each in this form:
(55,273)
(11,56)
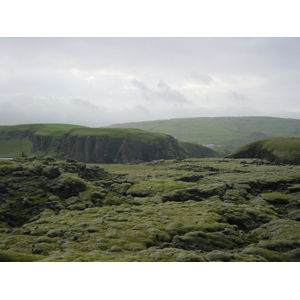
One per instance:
(95,145)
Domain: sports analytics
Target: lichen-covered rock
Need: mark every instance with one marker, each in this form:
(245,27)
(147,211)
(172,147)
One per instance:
(12,256)
(277,198)
(66,185)
(51,171)
(230,214)
(269,255)
(216,255)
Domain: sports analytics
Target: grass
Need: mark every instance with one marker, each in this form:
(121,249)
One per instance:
(118,133)
(228,132)
(289,145)
(41,129)
(276,149)
(15,147)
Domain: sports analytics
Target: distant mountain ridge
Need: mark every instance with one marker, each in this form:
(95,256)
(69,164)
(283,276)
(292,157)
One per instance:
(227,133)
(94,145)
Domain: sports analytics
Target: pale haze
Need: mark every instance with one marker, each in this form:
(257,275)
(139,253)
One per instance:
(102,81)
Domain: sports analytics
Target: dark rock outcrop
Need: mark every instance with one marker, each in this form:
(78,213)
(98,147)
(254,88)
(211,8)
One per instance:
(30,184)
(95,145)
(40,142)
(107,149)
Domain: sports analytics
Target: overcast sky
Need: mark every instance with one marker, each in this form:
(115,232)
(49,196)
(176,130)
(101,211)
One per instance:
(102,81)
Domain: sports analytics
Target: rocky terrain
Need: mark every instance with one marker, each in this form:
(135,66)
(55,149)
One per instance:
(196,210)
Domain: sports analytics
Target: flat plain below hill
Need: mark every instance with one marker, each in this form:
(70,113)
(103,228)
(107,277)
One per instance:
(197,210)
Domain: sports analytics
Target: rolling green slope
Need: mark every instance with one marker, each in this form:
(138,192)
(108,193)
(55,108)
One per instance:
(225,132)
(276,149)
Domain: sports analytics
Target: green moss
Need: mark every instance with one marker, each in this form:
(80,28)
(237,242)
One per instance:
(11,256)
(231,215)
(165,255)
(8,167)
(271,256)
(217,256)
(277,198)
(235,196)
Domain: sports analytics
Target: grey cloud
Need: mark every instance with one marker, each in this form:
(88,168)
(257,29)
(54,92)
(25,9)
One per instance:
(146,92)
(222,55)
(83,104)
(139,85)
(202,78)
(142,109)
(165,93)
(20,109)
(162,92)
(41,82)
(89,80)
(238,97)
(25,108)
(286,114)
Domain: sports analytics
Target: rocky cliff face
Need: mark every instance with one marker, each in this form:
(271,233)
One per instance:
(40,142)
(107,149)
(91,149)
(95,145)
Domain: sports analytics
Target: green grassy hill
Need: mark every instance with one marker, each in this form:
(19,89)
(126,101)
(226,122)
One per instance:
(227,133)
(18,139)
(94,145)
(277,149)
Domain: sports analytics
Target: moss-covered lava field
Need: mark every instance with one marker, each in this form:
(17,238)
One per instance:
(197,210)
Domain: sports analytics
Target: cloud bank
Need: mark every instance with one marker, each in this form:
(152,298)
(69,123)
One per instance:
(102,81)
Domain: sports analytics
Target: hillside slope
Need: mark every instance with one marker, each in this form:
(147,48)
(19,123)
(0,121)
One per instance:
(228,133)
(93,145)
(278,150)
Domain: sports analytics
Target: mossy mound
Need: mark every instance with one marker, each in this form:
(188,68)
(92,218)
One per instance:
(276,150)
(31,185)
(193,210)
